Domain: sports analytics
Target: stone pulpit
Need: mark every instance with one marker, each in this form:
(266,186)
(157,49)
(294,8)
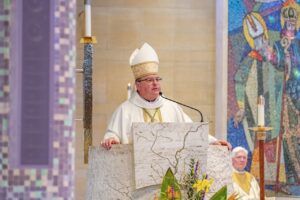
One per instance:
(135,171)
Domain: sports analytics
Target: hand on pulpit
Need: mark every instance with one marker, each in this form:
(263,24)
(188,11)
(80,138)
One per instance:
(107,143)
(223,143)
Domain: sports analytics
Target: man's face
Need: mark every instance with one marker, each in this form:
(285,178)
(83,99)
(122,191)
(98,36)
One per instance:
(239,162)
(291,25)
(149,87)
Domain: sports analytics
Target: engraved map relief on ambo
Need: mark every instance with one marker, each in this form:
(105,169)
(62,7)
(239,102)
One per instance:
(160,146)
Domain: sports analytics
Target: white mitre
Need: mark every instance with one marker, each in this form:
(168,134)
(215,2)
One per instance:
(144,61)
(254,26)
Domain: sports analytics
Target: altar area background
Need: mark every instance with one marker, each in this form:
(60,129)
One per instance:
(182,33)
(190,37)
(195,62)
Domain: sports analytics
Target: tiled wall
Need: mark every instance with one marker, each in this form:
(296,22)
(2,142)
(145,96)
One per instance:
(56,181)
(5,10)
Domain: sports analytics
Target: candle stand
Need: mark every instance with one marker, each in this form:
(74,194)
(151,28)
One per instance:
(261,136)
(88,93)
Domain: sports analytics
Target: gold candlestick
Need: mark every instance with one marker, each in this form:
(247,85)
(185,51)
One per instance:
(88,39)
(261,136)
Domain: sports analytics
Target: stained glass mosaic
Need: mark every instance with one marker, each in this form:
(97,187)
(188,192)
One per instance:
(263,59)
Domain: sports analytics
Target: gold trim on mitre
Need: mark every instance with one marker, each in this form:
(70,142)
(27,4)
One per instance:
(144,69)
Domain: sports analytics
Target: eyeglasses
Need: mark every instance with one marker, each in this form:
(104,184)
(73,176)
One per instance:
(150,80)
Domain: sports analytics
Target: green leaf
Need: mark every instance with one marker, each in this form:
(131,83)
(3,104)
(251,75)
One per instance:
(170,189)
(221,194)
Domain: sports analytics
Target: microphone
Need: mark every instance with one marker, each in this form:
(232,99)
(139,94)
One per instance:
(161,94)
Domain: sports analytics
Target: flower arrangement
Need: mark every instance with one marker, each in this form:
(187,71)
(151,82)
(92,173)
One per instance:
(196,187)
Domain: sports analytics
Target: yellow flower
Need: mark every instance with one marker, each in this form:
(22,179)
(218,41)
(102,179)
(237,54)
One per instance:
(203,185)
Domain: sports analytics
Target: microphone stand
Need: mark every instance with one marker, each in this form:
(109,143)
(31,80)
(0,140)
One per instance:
(160,93)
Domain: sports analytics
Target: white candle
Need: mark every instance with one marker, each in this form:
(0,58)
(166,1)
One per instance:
(88,23)
(129,89)
(261,111)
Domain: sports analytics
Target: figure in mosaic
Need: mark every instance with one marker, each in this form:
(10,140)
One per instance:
(251,81)
(286,58)
(278,82)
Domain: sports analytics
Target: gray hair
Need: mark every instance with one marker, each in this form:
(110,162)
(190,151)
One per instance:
(238,149)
